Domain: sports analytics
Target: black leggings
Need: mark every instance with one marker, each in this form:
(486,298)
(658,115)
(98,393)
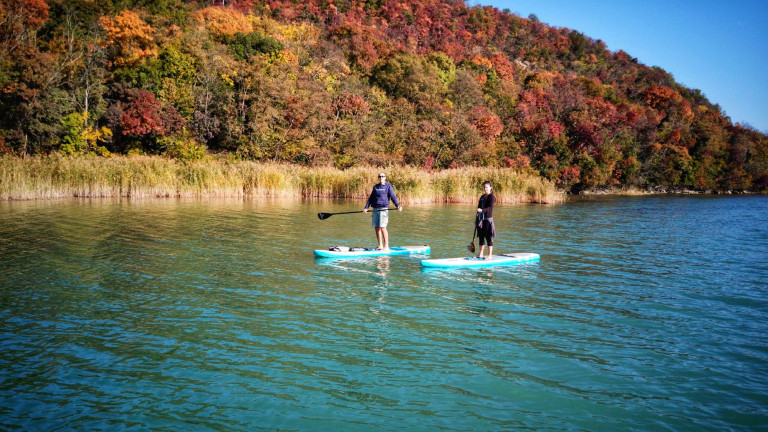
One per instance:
(485,234)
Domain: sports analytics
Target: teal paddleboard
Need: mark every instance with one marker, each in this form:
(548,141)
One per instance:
(345,252)
(512,258)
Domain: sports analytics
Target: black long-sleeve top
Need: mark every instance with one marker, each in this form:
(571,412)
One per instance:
(486,203)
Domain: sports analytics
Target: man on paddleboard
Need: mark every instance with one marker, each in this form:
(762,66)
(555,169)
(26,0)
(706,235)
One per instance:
(486,229)
(379,199)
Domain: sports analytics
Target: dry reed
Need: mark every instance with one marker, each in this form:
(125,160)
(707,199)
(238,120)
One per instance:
(45,177)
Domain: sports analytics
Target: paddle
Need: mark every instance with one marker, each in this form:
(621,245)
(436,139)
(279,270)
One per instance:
(471,246)
(324,216)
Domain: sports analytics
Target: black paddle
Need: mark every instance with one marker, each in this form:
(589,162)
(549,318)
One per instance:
(324,216)
(471,246)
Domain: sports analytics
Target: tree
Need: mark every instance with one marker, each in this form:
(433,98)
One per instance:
(81,138)
(19,22)
(410,77)
(139,119)
(129,39)
(245,45)
(223,21)
(488,124)
(177,73)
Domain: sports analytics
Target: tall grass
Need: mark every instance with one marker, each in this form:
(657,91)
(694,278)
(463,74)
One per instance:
(44,177)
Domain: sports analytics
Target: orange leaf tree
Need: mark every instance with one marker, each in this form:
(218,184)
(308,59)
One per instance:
(129,38)
(223,21)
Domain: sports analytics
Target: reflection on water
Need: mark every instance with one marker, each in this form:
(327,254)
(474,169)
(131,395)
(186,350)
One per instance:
(643,314)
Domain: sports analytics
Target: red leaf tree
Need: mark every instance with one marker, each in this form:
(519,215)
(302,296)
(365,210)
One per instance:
(140,118)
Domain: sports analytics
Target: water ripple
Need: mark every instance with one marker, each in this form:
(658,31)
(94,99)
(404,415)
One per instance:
(643,314)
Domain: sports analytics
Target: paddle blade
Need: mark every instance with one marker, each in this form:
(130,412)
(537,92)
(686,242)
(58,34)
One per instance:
(471,247)
(323,216)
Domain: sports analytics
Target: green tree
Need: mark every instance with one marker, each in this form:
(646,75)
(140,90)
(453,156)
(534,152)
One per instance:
(81,138)
(246,45)
(410,77)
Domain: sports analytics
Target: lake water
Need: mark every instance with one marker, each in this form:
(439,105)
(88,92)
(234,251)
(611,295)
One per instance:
(644,313)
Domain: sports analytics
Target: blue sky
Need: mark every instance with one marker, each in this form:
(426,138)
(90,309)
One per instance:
(718,47)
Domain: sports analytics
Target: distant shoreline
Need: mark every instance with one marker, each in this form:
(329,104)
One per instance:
(659,191)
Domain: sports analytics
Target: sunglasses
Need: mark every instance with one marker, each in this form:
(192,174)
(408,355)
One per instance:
(382,176)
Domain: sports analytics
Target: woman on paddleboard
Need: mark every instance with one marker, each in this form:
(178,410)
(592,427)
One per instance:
(379,199)
(486,229)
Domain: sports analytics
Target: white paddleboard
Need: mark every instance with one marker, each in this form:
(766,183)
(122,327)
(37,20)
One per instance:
(345,252)
(512,258)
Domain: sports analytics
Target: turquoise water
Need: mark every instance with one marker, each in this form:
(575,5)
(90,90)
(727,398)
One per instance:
(647,313)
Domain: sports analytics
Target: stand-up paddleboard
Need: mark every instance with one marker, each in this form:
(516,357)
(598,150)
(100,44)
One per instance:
(347,252)
(512,258)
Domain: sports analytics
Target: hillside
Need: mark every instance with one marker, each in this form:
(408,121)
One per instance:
(429,83)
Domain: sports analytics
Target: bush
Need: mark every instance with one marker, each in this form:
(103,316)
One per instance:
(183,149)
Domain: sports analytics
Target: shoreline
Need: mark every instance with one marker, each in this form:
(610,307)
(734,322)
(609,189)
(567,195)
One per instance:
(139,177)
(658,191)
(55,176)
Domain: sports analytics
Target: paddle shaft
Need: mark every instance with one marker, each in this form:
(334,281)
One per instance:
(471,246)
(324,216)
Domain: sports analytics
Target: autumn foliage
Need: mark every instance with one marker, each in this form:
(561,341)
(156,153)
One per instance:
(223,21)
(129,37)
(430,83)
